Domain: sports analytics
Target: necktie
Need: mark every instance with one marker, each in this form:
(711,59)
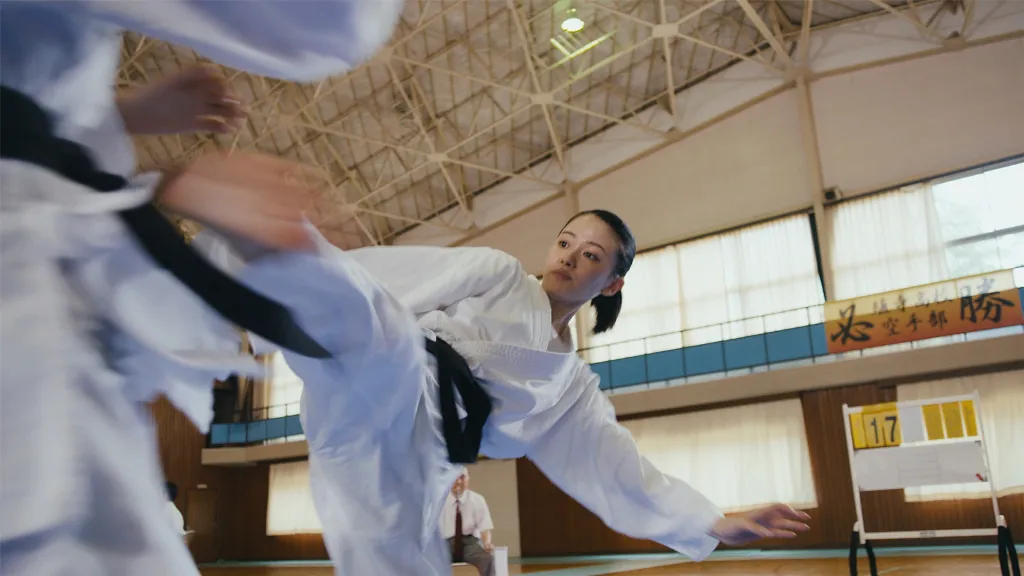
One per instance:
(457,551)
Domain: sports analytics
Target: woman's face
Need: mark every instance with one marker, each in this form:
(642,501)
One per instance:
(581,262)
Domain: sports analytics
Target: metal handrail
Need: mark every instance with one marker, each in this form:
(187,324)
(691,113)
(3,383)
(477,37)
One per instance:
(760,317)
(722,325)
(262,413)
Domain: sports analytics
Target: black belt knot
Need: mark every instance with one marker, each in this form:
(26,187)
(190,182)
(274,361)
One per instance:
(453,373)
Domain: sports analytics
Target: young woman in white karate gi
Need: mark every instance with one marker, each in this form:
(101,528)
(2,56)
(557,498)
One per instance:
(90,325)
(385,437)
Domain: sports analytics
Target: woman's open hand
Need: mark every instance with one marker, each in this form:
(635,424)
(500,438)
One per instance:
(775,521)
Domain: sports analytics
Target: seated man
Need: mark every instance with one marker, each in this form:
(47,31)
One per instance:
(466,524)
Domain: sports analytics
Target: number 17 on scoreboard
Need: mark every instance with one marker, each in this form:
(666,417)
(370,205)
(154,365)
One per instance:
(876,426)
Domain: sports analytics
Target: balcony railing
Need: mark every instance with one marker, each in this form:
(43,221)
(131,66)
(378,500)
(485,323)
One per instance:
(699,354)
(756,344)
(267,424)
(723,357)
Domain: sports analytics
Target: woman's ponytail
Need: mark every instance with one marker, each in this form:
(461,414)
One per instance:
(607,309)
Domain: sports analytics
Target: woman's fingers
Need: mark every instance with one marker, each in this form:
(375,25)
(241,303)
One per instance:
(791,525)
(780,511)
(793,514)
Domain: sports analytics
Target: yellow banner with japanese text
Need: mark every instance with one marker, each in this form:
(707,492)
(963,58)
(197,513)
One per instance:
(959,306)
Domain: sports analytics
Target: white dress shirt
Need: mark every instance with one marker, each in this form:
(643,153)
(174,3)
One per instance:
(476,517)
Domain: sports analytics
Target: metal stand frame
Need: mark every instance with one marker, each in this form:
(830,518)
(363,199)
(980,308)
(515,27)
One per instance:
(1009,563)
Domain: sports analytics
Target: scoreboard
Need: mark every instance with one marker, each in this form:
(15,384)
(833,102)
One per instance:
(891,425)
(897,445)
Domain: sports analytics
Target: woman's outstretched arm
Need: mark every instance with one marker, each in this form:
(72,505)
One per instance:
(595,460)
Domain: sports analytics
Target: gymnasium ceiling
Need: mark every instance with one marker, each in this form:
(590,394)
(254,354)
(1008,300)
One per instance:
(470,93)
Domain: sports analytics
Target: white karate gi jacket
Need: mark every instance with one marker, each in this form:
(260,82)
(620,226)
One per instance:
(378,464)
(89,328)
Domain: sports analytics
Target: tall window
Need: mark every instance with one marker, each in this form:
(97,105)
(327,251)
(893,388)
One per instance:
(982,220)
(886,242)
(740,458)
(757,279)
(278,395)
(290,508)
(1002,403)
(650,307)
(929,232)
(285,388)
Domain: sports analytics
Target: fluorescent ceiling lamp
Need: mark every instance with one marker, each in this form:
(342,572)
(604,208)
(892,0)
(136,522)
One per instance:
(572,23)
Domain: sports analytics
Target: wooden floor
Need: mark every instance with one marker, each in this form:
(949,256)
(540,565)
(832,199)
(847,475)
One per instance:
(318,571)
(891,566)
(935,566)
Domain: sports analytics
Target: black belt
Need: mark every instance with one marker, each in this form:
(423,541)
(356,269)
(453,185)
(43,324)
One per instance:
(453,373)
(27,135)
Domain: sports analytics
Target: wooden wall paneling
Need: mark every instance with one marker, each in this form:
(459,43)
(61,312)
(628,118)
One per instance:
(203,518)
(244,526)
(181,444)
(553,524)
(830,465)
(240,495)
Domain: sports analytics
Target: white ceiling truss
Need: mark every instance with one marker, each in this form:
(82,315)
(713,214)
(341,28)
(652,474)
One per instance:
(471,93)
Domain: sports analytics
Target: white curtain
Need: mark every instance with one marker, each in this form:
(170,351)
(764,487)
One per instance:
(715,288)
(886,242)
(764,270)
(290,508)
(929,232)
(278,395)
(1002,405)
(284,388)
(650,307)
(741,457)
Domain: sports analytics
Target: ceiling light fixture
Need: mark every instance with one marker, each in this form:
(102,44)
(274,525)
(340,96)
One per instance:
(572,22)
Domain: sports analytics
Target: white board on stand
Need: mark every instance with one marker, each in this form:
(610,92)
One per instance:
(923,465)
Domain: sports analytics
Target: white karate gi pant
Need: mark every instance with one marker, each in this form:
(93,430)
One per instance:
(379,468)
